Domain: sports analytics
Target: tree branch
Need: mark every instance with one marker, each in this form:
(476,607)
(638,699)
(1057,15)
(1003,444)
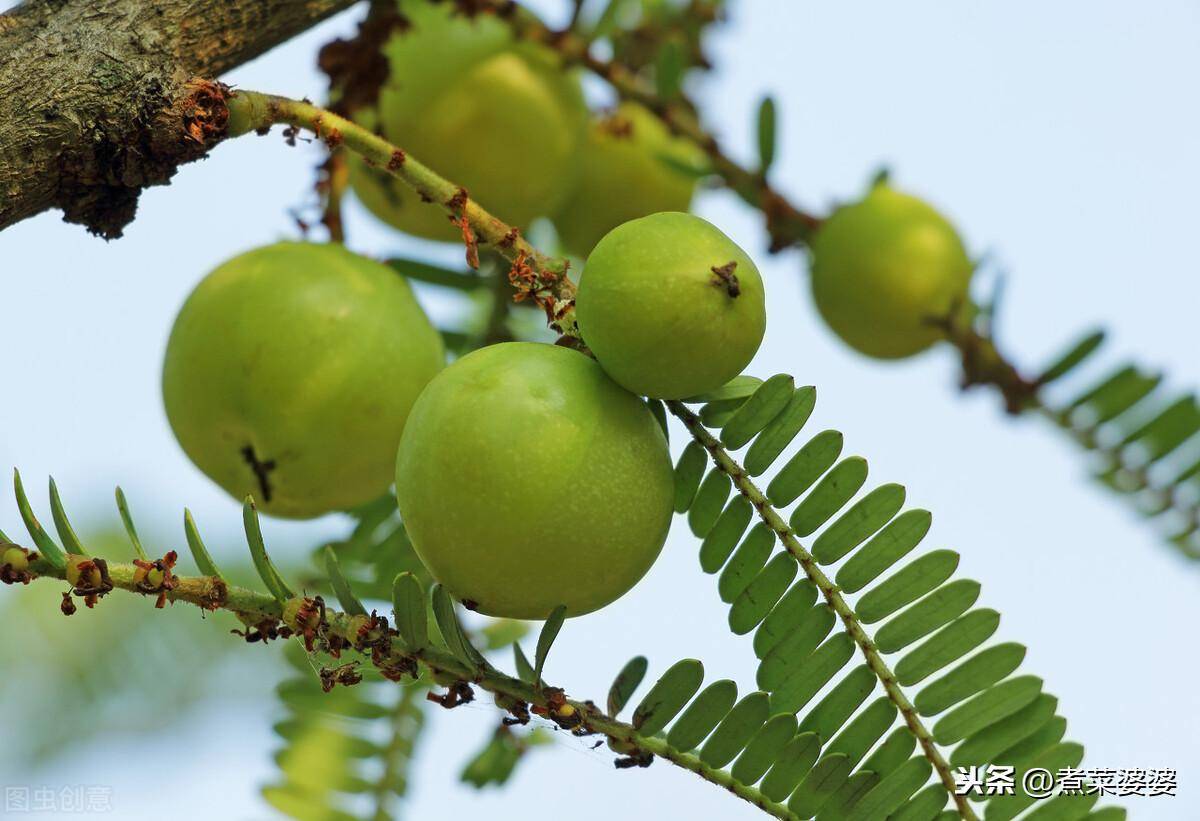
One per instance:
(98,97)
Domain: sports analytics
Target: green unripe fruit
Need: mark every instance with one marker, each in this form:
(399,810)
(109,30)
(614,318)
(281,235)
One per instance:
(290,372)
(15,558)
(498,116)
(625,174)
(670,306)
(882,268)
(528,479)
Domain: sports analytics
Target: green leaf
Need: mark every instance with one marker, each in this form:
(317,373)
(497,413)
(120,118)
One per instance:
(715,414)
(980,671)
(750,557)
(798,475)
(791,766)
(863,519)
(258,551)
(736,729)
(766,134)
(436,275)
(828,716)
(1117,394)
(721,538)
(766,746)
(1063,808)
(924,806)
(1166,430)
(668,69)
(199,552)
(831,493)
(791,652)
(781,431)
(786,615)
(909,584)
(45,545)
(688,473)
(546,639)
(668,696)
(341,587)
(709,502)
(62,524)
(867,728)
(758,411)
(891,793)
(947,645)
(754,603)
(660,414)
(837,807)
(410,611)
(893,752)
(524,668)
(127,520)
(884,549)
(938,608)
(815,673)
(1004,807)
(739,387)
(1072,358)
(702,715)
(986,708)
(626,683)
(1043,738)
(821,782)
(451,629)
(987,744)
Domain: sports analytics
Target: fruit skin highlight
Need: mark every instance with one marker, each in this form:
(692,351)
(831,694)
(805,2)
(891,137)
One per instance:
(499,116)
(624,176)
(657,311)
(302,359)
(527,479)
(883,267)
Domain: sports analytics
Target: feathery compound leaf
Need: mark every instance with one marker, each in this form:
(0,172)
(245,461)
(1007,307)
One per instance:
(781,431)
(814,673)
(987,708)
(409,610)
(688,473)
(739,387)
(821,782)
(988,744)
(127,520)
(891,793)
(867,728)
(750,557)
(62,524)
(980,671)
(766,134)
(736,729)
(341,587)
(833,491)
(45,545)
(752,606)
(702,715)
(785,617)
(949,644)
(1072,358)
(936,609)
(884,549)
(668,696)
(789,654)
(199,552)
(858,523)
(546,639)
(258,551)
(717,414)
(626,682)
(907,585)
(660,414)
(1005,807)
(757,412)
(840,703)
(924,806)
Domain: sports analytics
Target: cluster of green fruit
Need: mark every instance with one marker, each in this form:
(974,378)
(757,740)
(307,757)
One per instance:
(502,118)
(528,475)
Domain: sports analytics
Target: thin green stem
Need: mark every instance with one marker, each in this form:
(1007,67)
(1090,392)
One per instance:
(832,595)
(538,276)
(259,609)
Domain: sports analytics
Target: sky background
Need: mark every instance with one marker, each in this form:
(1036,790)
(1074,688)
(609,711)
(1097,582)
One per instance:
(1059,137)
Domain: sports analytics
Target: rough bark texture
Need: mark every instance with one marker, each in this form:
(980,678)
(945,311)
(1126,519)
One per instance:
(100,98)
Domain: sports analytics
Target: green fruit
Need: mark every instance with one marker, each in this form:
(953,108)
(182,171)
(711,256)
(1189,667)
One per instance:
(882,268)
(626,173)
(498,116)
(528,479)
(290,372)
(670,306)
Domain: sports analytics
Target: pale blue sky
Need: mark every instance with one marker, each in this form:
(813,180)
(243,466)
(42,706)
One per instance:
(1061,137)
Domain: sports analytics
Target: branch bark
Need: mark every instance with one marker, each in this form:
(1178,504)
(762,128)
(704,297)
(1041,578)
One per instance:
(98,98)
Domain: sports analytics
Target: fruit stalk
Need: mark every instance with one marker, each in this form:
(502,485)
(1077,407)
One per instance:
(544,277)
(583,717)
(832,595)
